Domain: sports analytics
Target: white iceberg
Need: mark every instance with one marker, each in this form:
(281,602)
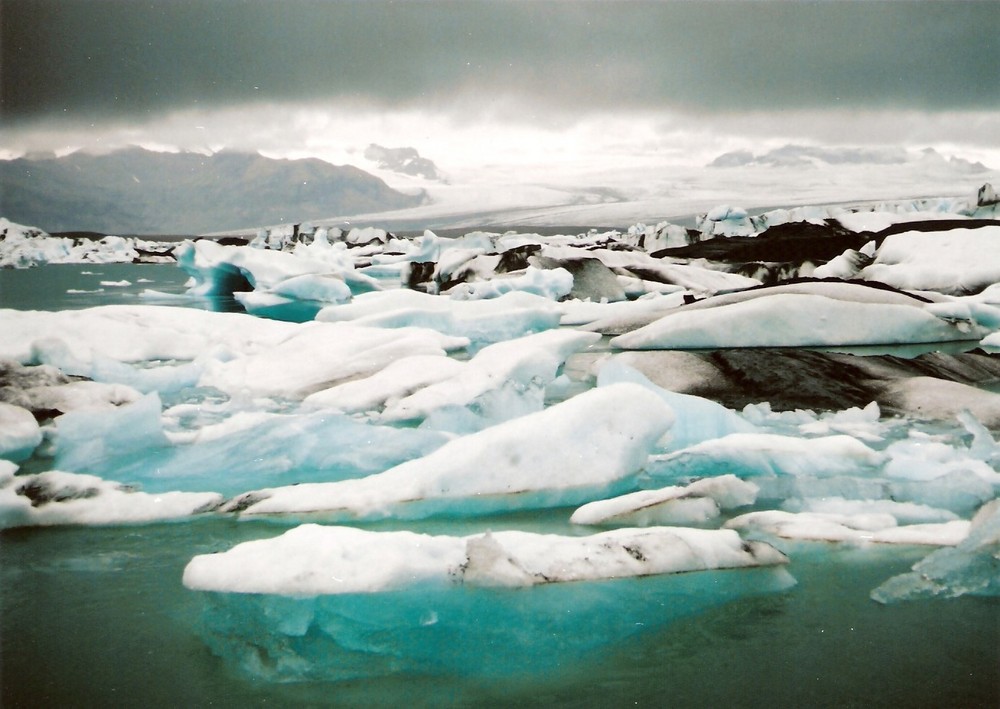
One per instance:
(57,498)
(874,527)
(491,320)
(814,316)
(756,454)
(328,603)
(695,503)
(956,261)
(605,437)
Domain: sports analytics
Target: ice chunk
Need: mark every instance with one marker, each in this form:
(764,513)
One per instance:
(553,283)
(955,261)
(753,454)
(875,527)
(19,433)
(605,436)
(85,440)
(319,355)
(312,559)
(698,419)
(939,399)
(922,458)
(691,504)
(121,381)
(903,512)
(491,320)
(387,386)
(57,497)
(367,604)
(253,450)
(968,568)
(138,333)
(502,380)
(797,320)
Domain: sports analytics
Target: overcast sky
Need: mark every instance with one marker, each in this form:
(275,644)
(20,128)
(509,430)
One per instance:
(468,82)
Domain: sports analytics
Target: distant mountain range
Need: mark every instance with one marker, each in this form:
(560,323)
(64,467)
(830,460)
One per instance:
(406,161)
(136,191)
(805,155)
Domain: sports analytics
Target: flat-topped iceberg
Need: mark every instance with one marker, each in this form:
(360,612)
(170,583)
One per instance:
(328,603)
(605,435)
(312,559)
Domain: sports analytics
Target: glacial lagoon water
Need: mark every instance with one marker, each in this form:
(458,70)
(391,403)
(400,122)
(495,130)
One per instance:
(99,617)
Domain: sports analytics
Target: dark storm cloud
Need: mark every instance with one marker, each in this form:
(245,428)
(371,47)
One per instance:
(97,59)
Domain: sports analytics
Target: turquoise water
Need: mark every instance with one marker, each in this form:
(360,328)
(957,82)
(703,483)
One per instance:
(98,616)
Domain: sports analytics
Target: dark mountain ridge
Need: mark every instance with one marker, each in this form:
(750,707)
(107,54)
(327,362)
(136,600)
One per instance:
(136,191)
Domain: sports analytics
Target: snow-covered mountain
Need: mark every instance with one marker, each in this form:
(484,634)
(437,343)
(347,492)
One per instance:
(406,161)
(137,191)
(817,156)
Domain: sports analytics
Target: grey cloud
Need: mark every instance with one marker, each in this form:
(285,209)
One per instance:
(94,60)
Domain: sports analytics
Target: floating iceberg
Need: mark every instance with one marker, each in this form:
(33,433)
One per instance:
(877,528)
(508,316)
(695,503)
(502,380)
(755,454)
(336,602)
(810,315)
(698,419)
(56,497)
(19,433)
(971,567)
(242,452)
(606,436)
(956,261)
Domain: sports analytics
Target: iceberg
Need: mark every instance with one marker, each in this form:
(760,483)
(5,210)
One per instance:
(61,498)
(798,319)
(756,454)
(320,354)
(245,451)
(19,433)
(501,381)
(875,528)
(607,435)
(695,503)
(335,602)
(698,419)
(970,567)
(956,261)
(482,321)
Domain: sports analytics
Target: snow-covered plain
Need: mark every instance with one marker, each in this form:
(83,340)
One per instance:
(397,384)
